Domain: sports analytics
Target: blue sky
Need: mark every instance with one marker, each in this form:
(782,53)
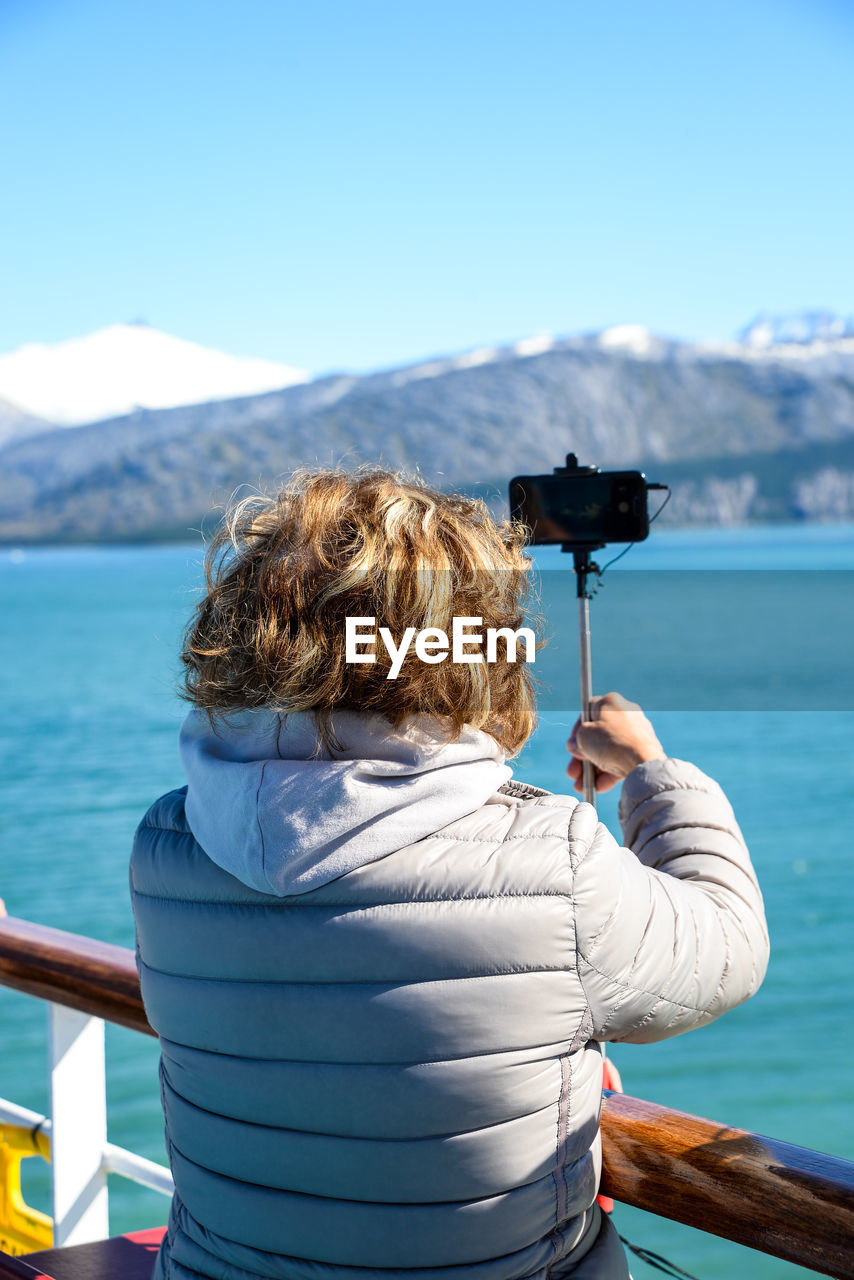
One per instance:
(365,183)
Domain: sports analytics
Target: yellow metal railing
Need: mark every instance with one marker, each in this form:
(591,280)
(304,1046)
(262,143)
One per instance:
(22,1228)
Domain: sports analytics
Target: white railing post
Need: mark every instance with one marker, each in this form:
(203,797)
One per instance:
(79,1130)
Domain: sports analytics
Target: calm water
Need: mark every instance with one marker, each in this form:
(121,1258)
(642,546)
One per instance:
(88,643)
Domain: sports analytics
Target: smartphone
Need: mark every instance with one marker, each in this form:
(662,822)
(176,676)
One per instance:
(586,510)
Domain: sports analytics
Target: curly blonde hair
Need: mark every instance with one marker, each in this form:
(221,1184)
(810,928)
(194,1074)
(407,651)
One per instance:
(284,572)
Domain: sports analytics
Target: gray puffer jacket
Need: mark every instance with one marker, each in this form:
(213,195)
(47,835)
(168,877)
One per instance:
(397,1073)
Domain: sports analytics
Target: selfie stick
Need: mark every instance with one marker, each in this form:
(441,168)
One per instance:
(583,566)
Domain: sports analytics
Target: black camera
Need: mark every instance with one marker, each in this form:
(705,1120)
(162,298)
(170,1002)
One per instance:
(578,507)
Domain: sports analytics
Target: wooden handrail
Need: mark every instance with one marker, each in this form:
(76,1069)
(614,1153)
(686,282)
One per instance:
(783,1200)
(93,977)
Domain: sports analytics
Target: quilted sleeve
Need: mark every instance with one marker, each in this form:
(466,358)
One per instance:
(670,932)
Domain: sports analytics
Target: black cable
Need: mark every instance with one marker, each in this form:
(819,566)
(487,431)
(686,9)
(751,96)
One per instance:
(664,503)
(656,1260)
(617,557)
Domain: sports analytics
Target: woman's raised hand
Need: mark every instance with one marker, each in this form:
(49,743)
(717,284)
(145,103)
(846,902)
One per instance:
(616,739)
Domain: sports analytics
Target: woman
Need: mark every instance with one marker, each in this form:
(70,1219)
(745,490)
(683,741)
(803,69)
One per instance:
(380,970)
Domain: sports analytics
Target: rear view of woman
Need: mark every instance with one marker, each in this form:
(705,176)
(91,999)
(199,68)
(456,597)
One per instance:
(380,970)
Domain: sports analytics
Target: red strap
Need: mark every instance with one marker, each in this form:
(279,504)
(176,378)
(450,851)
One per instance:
(610,1080)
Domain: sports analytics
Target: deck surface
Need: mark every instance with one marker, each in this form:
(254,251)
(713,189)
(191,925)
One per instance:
(129,1257)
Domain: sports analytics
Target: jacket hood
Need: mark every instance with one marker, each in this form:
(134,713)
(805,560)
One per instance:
(266,808)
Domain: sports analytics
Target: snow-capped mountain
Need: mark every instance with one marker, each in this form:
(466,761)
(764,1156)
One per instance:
(798,327)
(758,429)
(741,432)
(125,367)
(128,366)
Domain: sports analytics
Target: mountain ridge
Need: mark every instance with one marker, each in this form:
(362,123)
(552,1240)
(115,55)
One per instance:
(135,354)
(467,424)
